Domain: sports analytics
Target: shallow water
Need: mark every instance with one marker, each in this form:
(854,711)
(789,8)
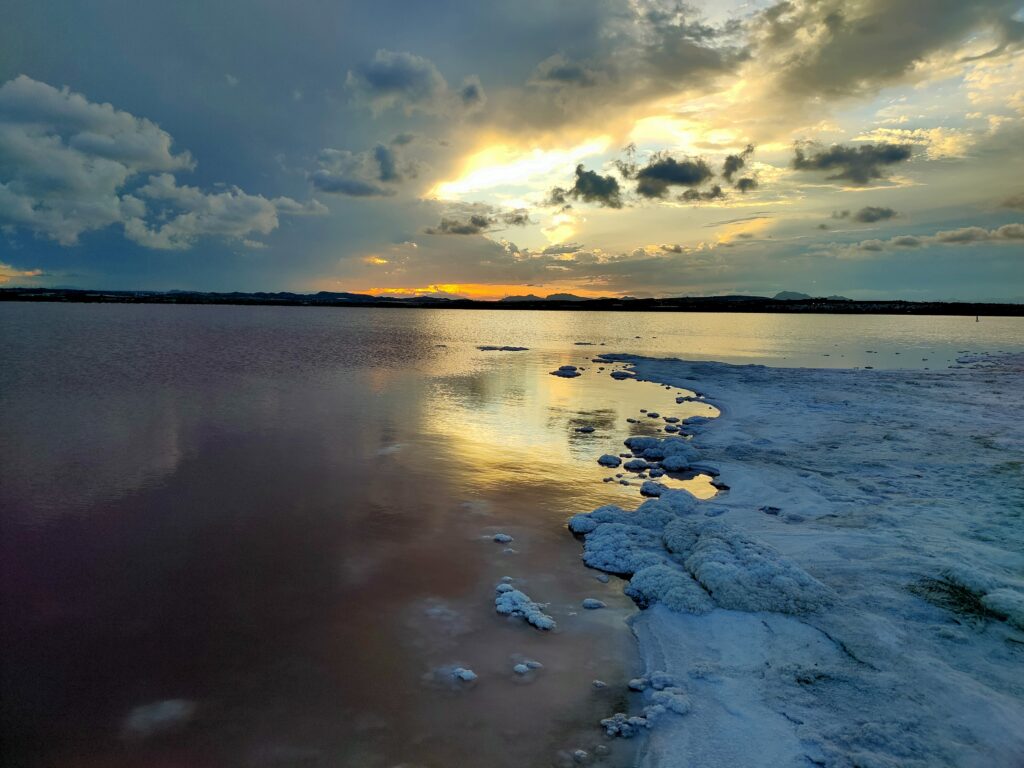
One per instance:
(285,515)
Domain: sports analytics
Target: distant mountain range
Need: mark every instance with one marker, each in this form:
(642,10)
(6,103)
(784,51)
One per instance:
(549,297)
(794,296)
(784,302)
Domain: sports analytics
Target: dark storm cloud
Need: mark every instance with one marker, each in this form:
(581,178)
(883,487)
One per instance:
(870,214)
(385,157)
(734,163)
(746,184)
(559,71)
(591,187)
(471,94)
(393,77)
(857,47)
(475,225)
(339,184)
(857,165)
(664,171)
(695,195)
(517,218)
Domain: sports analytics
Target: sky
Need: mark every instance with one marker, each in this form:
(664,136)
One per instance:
(867,148)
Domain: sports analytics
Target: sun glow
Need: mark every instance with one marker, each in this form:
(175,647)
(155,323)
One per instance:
(504,165)
(481,291)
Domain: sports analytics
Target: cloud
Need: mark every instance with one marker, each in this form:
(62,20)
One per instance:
(471,93)
(394,79)
(9,273)
(185,214)
(838,48)
(1015,202)
(734,163)
(485,220)
(664,171)
(694,195)
(591,187)
(375,173)
(559,71)
(858,165)
(746,184)
(475,225)
(64,160)
(1008,233)
(870,214)
(67,166)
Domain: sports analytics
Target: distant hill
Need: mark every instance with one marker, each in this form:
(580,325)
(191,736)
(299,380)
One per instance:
(795,296)
(789,296)
(527,297)
(564,297)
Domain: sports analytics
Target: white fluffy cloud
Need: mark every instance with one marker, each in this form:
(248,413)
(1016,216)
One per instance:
(67,164)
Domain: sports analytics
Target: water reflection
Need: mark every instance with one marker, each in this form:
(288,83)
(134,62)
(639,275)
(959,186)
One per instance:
(286,516)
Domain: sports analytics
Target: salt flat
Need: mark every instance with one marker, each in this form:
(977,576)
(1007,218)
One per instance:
(875,528)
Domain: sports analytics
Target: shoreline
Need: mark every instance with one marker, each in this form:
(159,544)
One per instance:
(698,304)
(912,650)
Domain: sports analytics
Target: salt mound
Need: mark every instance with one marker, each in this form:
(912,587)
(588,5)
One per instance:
(623,549)
(671,586)
(511,602)
(741,573)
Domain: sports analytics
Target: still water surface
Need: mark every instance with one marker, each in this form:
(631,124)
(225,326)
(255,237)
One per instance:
(284,517)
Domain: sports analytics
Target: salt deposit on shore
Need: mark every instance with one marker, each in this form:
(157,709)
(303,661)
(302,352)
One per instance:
(873,614)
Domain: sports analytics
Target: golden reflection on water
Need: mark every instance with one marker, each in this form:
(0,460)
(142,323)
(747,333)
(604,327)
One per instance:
(516,425)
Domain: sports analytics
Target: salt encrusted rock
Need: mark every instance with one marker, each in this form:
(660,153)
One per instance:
(512,602)
(609,460)
(653,415)
(592,604)
(741,573)
(622,375)
(464,674)
(635,465)
(566,371)
(651,488)
(586,430)
(502,538)
(521,669)
(487,348)
(624,726)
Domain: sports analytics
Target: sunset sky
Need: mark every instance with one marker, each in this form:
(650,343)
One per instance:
(870,148)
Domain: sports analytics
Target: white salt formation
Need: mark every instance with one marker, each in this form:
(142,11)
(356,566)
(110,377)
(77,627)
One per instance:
(511,602)
(856,597)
